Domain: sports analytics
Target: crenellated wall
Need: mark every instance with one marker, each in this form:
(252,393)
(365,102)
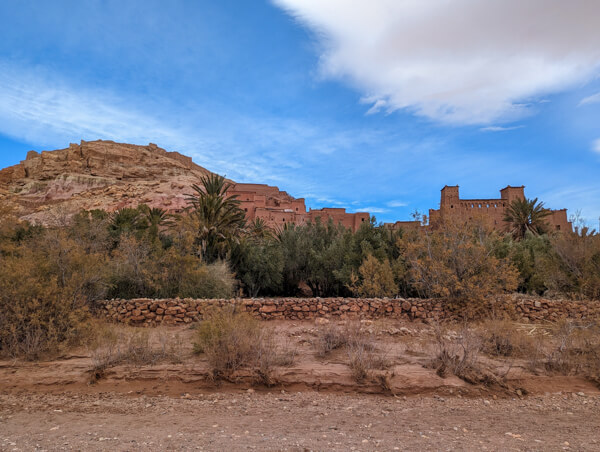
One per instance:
(144,311)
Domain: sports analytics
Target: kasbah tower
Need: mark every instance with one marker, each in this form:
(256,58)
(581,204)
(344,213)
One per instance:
(489,211)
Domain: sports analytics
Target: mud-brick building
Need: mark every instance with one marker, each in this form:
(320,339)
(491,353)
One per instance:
(277,208)
(489,211)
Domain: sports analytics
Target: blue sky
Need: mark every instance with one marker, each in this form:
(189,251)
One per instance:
(369,105)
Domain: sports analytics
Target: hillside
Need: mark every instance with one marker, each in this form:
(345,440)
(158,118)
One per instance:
(99,174)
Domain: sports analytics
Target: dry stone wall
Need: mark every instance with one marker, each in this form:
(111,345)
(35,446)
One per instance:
(144,311)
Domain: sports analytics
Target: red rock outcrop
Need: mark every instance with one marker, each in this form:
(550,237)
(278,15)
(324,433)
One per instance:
(97,175)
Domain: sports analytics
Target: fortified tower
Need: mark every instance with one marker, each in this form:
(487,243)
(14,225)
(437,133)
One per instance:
(489,212)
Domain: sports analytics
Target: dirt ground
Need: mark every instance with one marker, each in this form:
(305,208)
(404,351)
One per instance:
(313,404)
(296,422)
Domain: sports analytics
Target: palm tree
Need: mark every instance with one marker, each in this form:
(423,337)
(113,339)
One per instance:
(126,221)
(156,218)
(259,229)
(524,215)
(220,217)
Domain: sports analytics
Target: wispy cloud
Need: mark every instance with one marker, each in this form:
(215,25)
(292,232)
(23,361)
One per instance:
(499,128)
(372,209)
(50,111)
(459,61)
(596,146)
(593,99)
(396,203)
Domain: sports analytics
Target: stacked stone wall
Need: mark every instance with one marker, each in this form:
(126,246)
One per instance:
(144,311)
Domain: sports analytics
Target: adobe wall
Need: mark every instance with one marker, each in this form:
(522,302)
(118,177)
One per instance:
(278,208)
(148,312)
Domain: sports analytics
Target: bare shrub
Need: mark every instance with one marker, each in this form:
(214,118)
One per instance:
(503,338)
(363,355)
(330,337)
(458,354)
(228,339)
(364,358)
(270,356)
(116,344)
(575,349)
(233,340)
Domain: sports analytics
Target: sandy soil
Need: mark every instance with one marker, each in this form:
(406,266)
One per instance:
(313,405)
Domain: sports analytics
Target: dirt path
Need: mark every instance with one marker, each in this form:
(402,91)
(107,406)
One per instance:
(297,422)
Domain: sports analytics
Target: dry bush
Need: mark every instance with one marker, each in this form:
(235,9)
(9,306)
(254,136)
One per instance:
(330,337)
(363,355)
(117,344)
(269,356)
(456,355)
(233,340)
(503,338)
(364,358)
(459,355)
(228,339)
(455,262)
(574,349)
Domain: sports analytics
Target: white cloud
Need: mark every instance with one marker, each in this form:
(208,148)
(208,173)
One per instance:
(499,128)
(596,146)
(371,209)
(456,61)
(593,99)
(396,204)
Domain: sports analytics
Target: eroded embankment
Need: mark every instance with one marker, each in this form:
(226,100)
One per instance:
(408,352)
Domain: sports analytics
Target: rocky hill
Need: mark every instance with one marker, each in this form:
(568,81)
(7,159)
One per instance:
(97,175)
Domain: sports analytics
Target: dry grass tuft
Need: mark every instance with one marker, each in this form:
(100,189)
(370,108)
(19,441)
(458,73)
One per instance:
(117,344)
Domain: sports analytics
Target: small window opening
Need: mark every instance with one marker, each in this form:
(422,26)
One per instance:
(451,206)
(480,206)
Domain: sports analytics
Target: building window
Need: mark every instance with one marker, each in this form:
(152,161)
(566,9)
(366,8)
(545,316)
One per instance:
(558,227)
(451,206)
(480,206)
(472,206)
(246,209)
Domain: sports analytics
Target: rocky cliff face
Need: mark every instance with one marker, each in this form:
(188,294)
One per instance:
(97,175)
